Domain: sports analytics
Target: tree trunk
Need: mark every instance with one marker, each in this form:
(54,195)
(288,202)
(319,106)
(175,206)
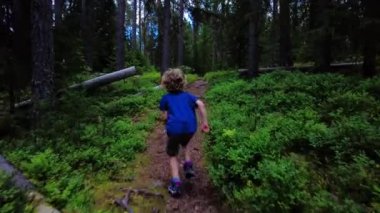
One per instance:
(87,32)
(120,36)
(371,34)
(180,33)
(295,21)
(134,25)
(11,84)
(285,43)
(140,25)
(196,24)
(21,45)
(105,79)
(338,67)
(275,34)
(58,5)
(144,32)
(17,177)
(215,29)
(195,47)
(275,10)
(319,22)
(6,68)
(369,55)
(165,38)
(253,46)
(42,56)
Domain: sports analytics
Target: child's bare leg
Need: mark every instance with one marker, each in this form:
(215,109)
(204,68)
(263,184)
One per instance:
(187,154)
(174,167)
(188,165)
(175,182)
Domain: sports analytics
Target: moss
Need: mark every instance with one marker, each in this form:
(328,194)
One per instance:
(133,177)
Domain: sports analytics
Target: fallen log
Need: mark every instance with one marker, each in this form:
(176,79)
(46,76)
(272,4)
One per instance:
(21,182)
(336,66)
(105,79)
(16,176)
(92,83)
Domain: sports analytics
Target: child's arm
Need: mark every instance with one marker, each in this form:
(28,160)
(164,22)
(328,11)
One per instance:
(163,116)
(203,116)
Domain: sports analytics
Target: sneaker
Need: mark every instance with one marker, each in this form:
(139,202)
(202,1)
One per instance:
(174,188)
(189,171)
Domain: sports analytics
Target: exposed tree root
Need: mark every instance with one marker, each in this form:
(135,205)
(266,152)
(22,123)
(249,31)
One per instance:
(124,202)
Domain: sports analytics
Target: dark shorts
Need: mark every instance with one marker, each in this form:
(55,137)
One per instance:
(172,147)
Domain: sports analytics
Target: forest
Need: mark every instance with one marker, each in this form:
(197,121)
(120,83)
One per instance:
(292,90)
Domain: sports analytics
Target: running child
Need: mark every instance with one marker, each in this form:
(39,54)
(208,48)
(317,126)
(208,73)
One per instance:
(181,124)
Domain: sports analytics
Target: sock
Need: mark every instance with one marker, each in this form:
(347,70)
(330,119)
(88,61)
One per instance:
(188,164)
(176,180)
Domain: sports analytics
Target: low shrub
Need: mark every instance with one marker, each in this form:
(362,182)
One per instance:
(12,199)
(289,141)
(89,134)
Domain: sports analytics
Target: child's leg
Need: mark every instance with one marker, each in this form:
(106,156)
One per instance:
(187,153)
(174,167)
(172,149)
(184,141)
(188,165)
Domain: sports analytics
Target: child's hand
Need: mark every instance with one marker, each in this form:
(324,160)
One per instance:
(204,127)
(163,116)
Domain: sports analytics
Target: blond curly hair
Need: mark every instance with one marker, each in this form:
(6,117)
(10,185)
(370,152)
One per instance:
(174,80)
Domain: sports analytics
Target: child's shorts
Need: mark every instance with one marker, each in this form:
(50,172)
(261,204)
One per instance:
(172,147)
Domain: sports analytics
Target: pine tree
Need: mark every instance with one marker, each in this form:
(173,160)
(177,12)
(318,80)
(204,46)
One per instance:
(42,56)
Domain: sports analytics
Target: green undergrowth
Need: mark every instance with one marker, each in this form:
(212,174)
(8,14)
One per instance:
(12,199)
(295,142)
(90,138)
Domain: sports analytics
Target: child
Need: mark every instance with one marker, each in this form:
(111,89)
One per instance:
(181,123)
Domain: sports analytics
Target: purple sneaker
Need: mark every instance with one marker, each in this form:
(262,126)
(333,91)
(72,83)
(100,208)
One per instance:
(175,187)
(188,168)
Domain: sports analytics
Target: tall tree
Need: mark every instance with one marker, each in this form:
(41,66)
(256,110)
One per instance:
(42,54)
(98,33)
(140,25)
(21,44)
(196,13)
(6,51)
(180,33)
(58,6)
(274,33)
(165,37)
(370,36)
(295,14)
(87,27)
(285,43)
(321,30)
(253,37)
(134,25)
(120,34)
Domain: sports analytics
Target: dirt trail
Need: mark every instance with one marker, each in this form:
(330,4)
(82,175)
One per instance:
(198,194)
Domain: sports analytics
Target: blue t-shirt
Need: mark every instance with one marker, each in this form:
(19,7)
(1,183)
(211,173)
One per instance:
(181,112)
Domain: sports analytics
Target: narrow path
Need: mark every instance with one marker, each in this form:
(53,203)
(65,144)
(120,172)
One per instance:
(198,193)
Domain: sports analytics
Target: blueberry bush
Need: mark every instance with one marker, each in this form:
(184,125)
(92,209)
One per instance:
(90,136)
(290,141)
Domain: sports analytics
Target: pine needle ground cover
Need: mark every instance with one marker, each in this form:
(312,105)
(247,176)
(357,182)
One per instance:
(289,141)
(91,138)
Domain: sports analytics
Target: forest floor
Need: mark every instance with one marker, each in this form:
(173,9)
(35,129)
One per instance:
(152,174)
